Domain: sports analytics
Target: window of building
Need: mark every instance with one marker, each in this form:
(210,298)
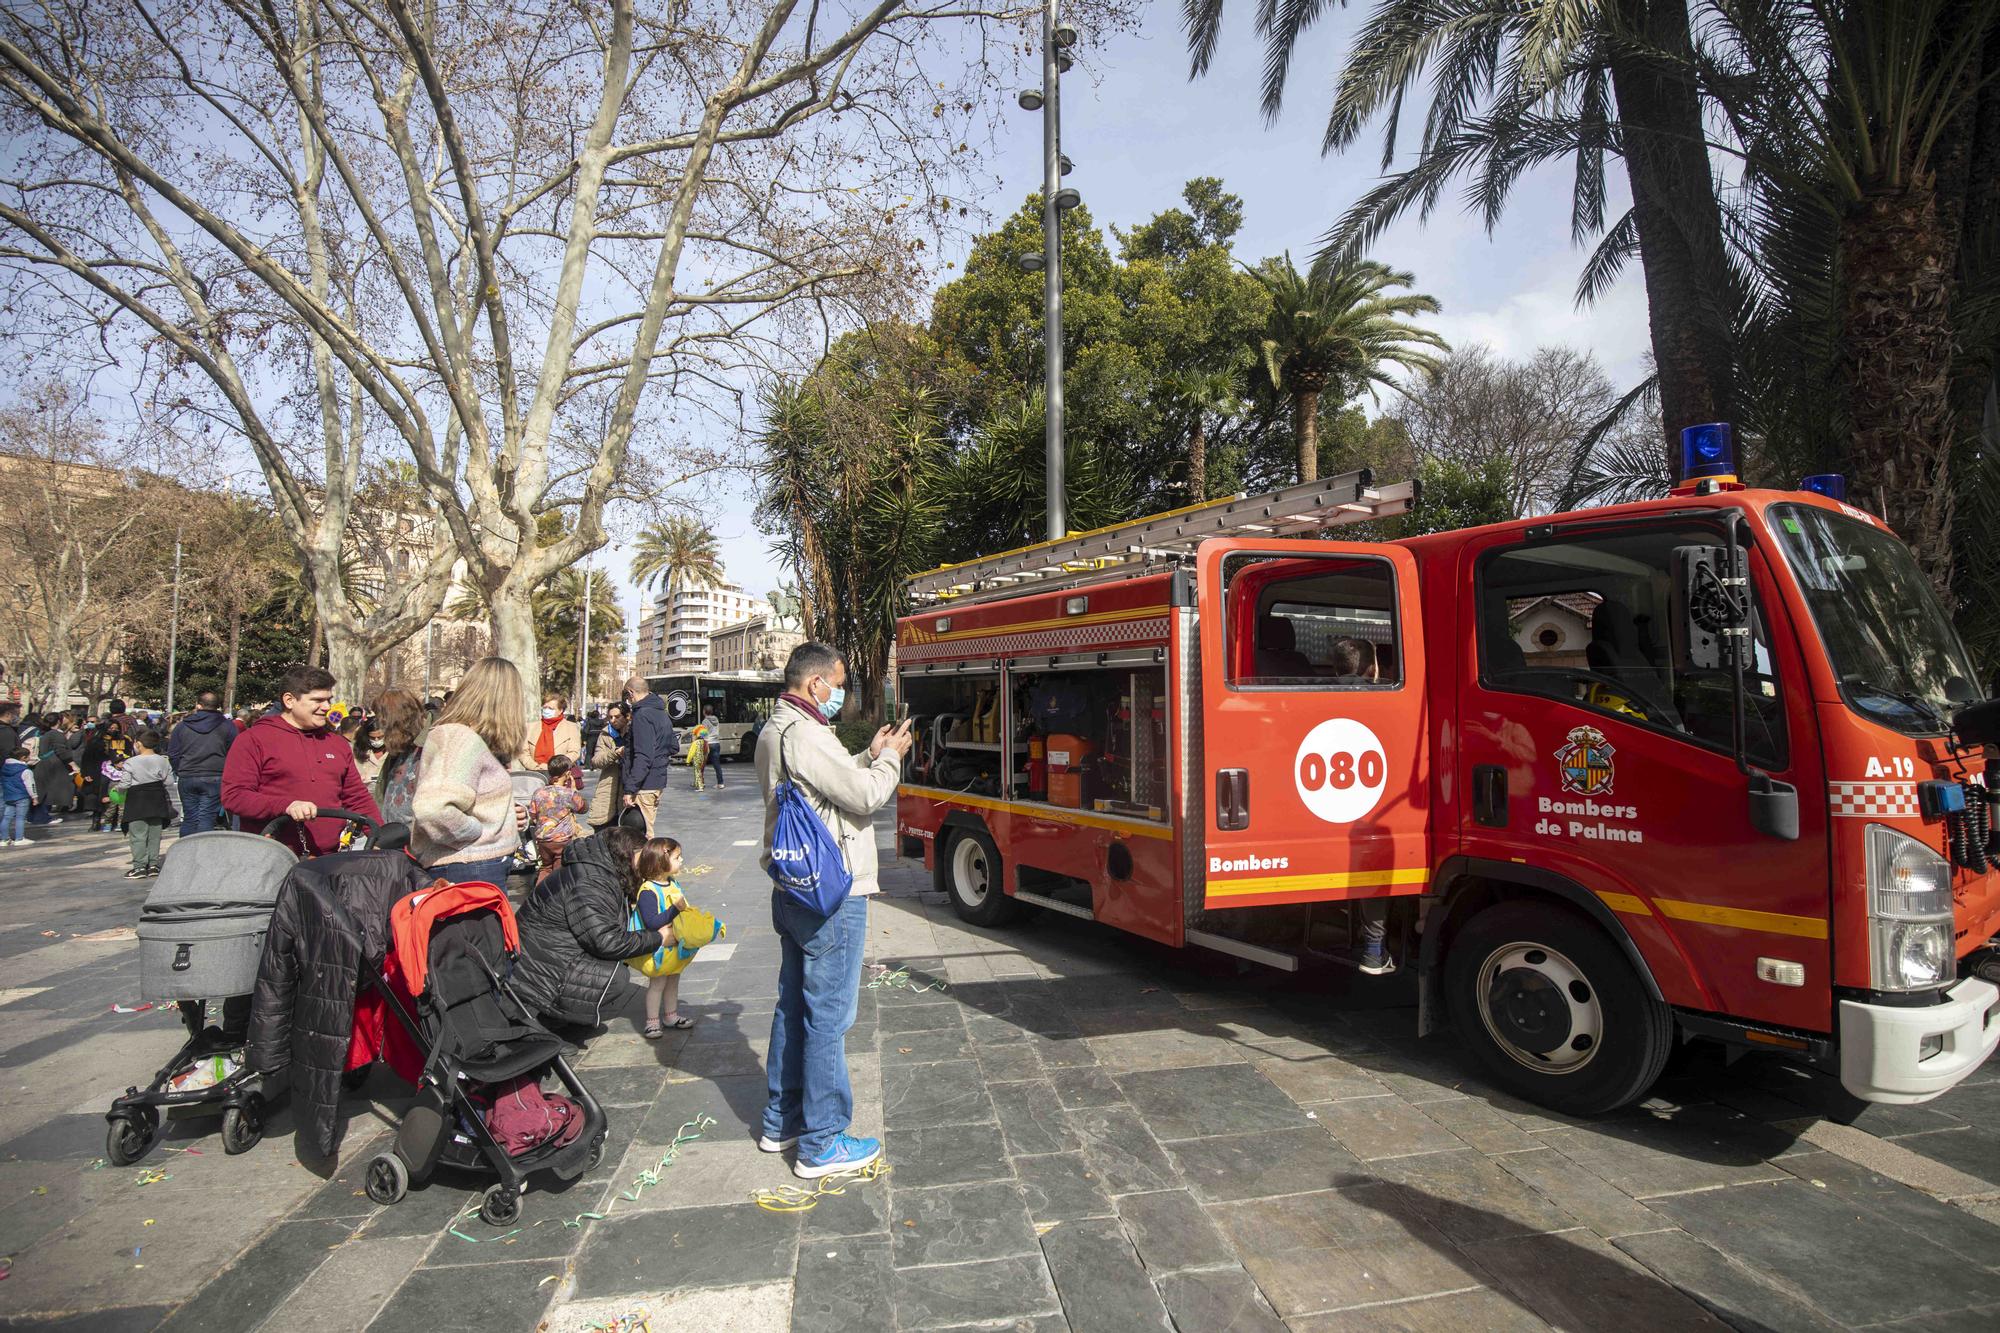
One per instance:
(1602,621)
(1312,622)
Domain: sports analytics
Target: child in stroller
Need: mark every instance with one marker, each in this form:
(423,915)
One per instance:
(479,1104)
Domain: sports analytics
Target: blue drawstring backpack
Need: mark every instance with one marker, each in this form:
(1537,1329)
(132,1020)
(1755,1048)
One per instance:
(806,861)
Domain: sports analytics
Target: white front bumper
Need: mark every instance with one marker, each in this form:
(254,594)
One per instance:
(1881,1045)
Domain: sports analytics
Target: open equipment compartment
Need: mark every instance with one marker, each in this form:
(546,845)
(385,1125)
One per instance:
(956,714)
(1093,729)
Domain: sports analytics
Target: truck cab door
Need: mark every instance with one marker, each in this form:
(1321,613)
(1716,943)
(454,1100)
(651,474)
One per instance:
(1314,766)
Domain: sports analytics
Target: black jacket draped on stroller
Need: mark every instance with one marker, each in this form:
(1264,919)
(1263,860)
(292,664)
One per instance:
(330,929)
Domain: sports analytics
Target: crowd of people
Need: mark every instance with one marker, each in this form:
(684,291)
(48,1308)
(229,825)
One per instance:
(483,792)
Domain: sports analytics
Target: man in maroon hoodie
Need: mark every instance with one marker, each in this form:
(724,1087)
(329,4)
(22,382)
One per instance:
(292,763)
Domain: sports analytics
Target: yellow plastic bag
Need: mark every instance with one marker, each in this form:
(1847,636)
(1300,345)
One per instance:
(693,928)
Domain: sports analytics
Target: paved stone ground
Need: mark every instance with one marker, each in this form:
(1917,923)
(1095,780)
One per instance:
(1085,1132)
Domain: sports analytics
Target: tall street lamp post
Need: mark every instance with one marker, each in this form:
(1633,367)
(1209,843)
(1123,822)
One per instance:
(174,624)
(1057,38)
(583,647)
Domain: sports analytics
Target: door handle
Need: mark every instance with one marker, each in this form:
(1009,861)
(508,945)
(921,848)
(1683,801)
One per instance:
(1489,795)
(1232,798)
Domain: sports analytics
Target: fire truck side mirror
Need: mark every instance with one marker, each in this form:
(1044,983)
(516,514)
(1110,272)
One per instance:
(1774,807)
(1711,589)
(1978,724)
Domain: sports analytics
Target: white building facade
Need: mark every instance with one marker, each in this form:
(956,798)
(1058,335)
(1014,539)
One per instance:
(692,614)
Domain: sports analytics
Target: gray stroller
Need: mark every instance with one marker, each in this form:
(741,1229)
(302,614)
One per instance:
(201,935)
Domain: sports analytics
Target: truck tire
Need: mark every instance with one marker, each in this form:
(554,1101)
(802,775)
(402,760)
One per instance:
(1553,1009)
(972,879)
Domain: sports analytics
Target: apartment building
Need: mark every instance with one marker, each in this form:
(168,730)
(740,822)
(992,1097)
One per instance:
(687,618)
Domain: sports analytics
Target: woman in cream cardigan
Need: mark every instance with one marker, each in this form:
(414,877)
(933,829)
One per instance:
(462,815)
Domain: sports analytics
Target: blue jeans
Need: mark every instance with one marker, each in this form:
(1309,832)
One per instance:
(819,981)
(14,816)
(485,872)
(201,804)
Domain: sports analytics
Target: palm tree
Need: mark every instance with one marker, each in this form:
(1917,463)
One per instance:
(292,586)
(1339,326)
(1511,85)
(559,625)
(1196,393)
(1855,123)
(675,553)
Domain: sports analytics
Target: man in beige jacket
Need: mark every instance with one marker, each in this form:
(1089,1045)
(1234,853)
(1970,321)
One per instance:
(819,977)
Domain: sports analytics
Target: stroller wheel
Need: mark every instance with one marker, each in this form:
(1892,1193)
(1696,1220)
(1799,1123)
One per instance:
(501,1206)
(243,1126)
(131,1136)
(388,1178)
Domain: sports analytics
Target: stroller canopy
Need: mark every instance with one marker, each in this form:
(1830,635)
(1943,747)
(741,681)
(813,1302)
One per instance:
(220,868)
(454,946)
(414,920)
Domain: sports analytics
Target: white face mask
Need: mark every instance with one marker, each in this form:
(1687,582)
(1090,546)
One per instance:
(551,714)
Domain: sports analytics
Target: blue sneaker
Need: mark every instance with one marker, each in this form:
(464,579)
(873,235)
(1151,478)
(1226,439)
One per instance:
(1377,964)
(846,1153)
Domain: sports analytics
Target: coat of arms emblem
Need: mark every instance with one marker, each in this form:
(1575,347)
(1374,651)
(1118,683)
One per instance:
(1585,762)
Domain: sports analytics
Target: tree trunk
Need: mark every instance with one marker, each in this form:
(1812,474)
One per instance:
(512,618)
(229,669)
(347,657)
(1976,375)
(1305,423)
(1675,212)
(1896,334)
(62,679)
(318,650)
(1197,474)
(865,673)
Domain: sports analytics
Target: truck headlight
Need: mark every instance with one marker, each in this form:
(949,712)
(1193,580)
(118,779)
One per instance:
(1909,912)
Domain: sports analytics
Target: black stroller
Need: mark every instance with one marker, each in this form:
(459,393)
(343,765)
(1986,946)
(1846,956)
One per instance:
(201,934)
(452,947)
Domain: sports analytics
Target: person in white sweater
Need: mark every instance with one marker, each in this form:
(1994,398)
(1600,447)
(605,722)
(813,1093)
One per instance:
(463,823)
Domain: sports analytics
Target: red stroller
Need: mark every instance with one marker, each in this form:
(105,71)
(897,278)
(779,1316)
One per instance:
(453,947)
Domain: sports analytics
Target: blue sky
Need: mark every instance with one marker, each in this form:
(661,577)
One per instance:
(1137,129)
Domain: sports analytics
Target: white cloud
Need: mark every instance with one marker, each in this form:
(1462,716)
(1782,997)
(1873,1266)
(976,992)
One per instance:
(1614,329)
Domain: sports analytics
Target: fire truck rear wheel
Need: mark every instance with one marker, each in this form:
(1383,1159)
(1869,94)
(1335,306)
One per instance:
(972,877)
(1553,1009)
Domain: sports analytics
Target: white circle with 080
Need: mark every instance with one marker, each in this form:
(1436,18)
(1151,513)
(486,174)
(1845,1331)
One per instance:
(1341,770)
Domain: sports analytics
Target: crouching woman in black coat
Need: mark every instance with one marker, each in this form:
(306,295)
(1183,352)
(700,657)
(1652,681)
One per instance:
(574,934)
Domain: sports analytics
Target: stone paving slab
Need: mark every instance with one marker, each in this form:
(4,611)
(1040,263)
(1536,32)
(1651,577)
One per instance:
(1084,1132)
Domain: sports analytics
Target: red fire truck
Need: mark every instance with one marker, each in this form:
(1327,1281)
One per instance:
(1707,766)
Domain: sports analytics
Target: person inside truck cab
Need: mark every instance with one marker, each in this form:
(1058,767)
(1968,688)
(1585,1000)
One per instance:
(1352,662)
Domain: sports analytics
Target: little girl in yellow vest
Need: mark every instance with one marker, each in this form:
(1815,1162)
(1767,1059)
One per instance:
(657,902)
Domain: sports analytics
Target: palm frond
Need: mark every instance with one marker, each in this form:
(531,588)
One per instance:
(1612,465)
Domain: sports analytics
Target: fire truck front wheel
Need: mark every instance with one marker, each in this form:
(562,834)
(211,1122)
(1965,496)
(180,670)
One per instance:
(1553,1009)
(972,877)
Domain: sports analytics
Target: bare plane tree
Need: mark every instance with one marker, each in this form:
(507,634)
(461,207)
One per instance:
(74,511)
(532,249)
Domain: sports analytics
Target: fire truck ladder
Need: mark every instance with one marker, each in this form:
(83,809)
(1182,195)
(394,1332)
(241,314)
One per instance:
(1303,510)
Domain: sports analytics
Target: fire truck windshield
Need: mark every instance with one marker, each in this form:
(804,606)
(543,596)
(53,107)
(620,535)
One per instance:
(1898,658)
